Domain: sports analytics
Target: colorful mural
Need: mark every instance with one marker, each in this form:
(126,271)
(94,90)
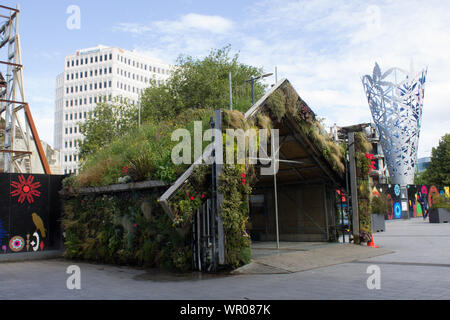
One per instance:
(30,213)
(420,198)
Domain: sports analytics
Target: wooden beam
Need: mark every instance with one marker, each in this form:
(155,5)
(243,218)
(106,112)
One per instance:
(37,140)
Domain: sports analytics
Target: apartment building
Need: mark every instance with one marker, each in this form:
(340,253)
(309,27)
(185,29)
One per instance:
(92,76)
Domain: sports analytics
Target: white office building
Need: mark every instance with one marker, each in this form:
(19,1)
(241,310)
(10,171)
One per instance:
(91,76)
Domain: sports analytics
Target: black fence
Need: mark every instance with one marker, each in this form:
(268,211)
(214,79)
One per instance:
(30,212)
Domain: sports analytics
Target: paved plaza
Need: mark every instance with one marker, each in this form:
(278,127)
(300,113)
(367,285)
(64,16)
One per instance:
(415,264)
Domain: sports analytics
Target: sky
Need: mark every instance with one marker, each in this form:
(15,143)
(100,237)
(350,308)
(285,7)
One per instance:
(323,47)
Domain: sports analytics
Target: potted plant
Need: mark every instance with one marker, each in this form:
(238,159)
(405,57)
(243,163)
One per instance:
(379,208)
(440,210)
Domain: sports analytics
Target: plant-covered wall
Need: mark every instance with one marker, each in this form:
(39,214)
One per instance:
(126,228)
(362,148)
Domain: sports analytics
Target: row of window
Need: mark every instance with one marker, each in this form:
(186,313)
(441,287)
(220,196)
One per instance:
(92,86)
(79,102)
(133,76)
(90,73)
(70,171)
(71,144)
(77,116)
(122,59)
(73,130)
(85,61)
(125,87)
(142,66)
(95,100)
(70,158)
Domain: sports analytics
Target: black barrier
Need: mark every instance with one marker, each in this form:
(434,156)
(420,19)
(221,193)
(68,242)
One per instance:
(30,212)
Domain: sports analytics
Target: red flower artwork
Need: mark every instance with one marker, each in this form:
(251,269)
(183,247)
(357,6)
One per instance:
(26,189)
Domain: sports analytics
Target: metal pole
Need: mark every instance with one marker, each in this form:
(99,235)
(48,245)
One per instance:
(253,90)
(231,92)
(276,75)
(276,194)
(354,187)
(327,230)
(342,216)
(214,203)
(139,106)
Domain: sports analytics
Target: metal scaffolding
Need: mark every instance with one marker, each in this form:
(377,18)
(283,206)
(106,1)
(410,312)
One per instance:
(12,101)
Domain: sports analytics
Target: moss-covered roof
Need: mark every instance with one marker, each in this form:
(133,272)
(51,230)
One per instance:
(302,140)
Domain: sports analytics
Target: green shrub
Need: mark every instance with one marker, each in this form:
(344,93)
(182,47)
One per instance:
(441,202)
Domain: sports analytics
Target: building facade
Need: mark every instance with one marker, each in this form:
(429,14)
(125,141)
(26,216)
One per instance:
(422,164)
(92,76)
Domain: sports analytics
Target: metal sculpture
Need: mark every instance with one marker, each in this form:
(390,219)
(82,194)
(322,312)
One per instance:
(396,108)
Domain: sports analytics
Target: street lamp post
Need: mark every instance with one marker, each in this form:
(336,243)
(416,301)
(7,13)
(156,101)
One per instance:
(252,82)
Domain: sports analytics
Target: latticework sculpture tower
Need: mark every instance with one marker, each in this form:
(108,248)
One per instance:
(396,107)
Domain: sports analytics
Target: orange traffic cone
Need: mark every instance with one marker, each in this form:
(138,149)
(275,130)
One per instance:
(372,244)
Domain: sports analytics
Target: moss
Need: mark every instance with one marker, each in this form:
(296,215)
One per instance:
(292,100)
(234,119)
(264,122)
(277,105)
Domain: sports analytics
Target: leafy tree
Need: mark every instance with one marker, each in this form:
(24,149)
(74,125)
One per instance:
(438,172)
(202,84)
(108,121)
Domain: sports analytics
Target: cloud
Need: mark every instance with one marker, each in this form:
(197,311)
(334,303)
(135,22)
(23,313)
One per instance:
(188,23)
(196,22)
(134,28)
(324,48)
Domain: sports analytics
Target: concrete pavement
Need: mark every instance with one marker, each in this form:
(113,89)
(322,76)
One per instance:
(418,268)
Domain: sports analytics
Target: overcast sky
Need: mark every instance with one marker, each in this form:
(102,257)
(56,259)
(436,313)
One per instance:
(323,47)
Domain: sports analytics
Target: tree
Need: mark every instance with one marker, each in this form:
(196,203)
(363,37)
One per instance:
(202,84)
(438,172)
(108,121)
